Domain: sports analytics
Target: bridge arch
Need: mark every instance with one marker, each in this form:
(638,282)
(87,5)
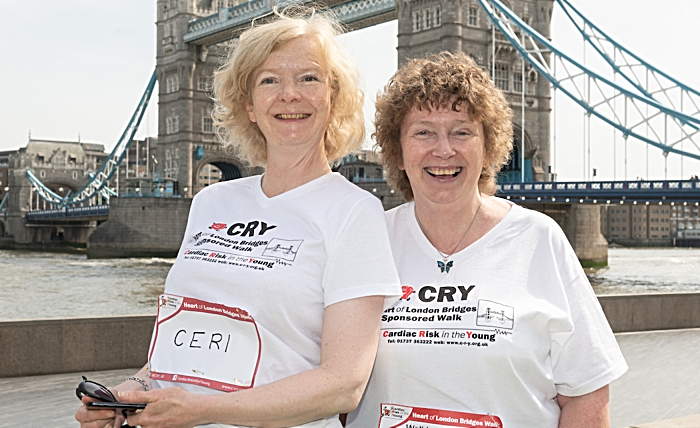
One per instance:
(216,168)
(62,187)
(59,186)
(512,171)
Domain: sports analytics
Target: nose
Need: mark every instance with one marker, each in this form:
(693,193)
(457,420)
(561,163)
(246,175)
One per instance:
(289,91)
(443,148)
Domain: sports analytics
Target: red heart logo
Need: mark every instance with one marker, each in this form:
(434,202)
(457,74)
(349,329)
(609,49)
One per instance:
(407,291)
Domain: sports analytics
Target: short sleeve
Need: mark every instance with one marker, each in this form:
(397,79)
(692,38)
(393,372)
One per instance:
(360,262)
(591,358)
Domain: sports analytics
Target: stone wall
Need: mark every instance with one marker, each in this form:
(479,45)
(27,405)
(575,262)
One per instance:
(645,312)
(37,347)
(141,227)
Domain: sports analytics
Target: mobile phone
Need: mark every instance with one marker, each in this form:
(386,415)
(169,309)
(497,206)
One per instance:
(132,407)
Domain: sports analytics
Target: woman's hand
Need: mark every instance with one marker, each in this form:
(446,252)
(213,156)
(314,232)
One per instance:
(166,408)
(98,418)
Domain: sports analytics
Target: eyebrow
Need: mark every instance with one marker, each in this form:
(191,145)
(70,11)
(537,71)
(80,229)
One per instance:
(315,68)
(458,122)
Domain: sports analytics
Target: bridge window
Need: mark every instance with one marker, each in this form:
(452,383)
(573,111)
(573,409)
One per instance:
(473,17)
(416,21)
(502,75)
(172,84)
(426,14)
(172,125)
(207,125)
(438,17)
(42,174)
(203,83)
(75,175)
(517,82)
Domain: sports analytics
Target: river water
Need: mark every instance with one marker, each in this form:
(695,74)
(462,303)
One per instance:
(54,285)
(648,270)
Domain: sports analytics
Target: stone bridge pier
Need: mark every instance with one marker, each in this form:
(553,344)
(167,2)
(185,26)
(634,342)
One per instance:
(581,225)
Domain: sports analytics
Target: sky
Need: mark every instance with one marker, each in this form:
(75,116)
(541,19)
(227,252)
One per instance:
(77,68)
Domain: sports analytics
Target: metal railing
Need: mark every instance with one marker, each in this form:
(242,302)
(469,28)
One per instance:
(603,191)
(69,212)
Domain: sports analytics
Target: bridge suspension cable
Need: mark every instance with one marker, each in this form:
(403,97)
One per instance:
(44,192)
(98,181)
(596,94)
(647,79)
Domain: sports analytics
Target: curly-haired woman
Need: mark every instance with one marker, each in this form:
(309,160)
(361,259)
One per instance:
(498,325)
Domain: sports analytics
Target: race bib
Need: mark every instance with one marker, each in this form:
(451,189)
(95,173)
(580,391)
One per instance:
(395,416)
(204,344)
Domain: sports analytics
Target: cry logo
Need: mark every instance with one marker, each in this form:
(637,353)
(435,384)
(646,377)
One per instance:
(218,226)
(407,291)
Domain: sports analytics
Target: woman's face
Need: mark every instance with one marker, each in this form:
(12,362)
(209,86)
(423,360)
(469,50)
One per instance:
(443,154)
(291,98)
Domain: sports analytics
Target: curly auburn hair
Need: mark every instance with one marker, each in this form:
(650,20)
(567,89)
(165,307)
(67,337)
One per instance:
(233,83)
(441,80)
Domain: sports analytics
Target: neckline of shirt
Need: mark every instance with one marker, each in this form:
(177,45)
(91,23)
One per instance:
(467,252)
(296,192)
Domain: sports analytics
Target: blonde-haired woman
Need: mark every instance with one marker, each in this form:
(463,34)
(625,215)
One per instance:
(273,296)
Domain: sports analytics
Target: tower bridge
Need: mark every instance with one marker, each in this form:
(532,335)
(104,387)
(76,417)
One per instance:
(509,38)
(192,38)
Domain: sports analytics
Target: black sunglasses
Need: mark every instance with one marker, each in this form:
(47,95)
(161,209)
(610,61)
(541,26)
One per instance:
(88,388)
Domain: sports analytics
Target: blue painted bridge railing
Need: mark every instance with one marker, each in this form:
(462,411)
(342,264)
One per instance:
(602,192)
(66,213)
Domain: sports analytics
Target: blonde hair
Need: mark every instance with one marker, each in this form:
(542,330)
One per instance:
(233,84)
(443,80)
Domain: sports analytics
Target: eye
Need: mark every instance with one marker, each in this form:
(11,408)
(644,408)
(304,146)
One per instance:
(310,78)
(463,133)
(267,80)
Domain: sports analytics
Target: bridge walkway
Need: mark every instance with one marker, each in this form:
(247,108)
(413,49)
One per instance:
(660,390)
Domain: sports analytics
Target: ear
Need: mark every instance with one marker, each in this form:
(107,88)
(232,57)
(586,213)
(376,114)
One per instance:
(401,165)
(249,111)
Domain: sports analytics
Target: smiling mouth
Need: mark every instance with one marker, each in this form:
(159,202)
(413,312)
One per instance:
(292,116)
(443,172)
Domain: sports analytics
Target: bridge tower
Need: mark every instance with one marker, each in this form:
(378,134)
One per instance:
(431,26)
(187,145)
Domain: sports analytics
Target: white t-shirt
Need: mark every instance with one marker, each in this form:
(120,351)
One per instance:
(493,341)
(281,260)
